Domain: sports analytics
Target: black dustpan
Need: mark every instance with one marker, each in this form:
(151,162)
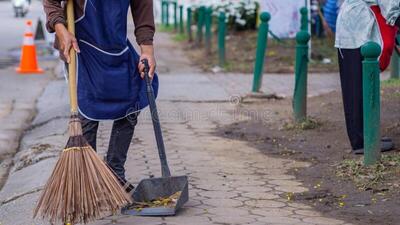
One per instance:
(165,186)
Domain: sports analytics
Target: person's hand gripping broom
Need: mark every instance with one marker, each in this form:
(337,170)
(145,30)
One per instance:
(81,187)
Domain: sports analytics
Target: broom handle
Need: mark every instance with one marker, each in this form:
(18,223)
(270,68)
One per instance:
(72,65)
(328,30)
(156,122)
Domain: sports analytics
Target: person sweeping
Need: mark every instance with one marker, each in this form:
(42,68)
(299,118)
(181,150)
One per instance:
(360,21)
(110,72)
(109,85)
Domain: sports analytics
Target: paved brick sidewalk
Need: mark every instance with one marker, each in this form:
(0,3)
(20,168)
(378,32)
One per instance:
(230,182)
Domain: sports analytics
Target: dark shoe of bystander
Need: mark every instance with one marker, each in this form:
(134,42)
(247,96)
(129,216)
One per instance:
(386,145)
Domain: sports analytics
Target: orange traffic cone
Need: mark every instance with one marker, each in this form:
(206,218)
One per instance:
(28,62)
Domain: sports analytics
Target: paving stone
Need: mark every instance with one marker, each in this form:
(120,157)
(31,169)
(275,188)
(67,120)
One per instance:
(257,223)
(232,219)
(228,203)
(298,223)
(295,189)
(193,203)
(204,207)
(218,194)
(232,176)
(183,219)
(284,183)
(271,212)
(322,221)
(272,172)
(242,183)
(253,189)
(265,203)
(239,171)
(222,211)
(215,186)
(280,177)
(129,220)
(261,195)
(297,216)
(307,213)
(194,211)
(279,220)
(277,164)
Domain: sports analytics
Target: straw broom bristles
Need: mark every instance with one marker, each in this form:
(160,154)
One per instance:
(81,187)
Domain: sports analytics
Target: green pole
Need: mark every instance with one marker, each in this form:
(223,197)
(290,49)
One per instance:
(175,4)
(162,12)
(167,13)
(221,38)
(304,19)
(371,102)
(181,26)
(260,52)
(200,23)
(208,22)
(394,66)
(300,88)
(189,24)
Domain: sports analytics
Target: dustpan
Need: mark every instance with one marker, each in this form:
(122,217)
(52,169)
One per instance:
(149,190)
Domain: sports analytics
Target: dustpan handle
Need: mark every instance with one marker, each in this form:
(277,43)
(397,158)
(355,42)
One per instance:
(156,122)
(72,65)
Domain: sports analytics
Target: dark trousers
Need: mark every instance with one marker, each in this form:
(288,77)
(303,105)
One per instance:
(121,136)
(350,66)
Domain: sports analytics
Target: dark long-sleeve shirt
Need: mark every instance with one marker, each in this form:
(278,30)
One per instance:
(142,11)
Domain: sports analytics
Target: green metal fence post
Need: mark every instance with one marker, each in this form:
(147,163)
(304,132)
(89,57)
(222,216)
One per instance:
(371,100)
(221,38)
(167,13)
(300,88)
(260,52)
(189,24)
(208,22)
(200,23)
(175,4)
(163,12)
(394,66)
(304,19)
(181,26)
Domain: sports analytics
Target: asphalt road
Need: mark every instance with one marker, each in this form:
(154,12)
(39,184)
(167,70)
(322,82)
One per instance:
(12,29)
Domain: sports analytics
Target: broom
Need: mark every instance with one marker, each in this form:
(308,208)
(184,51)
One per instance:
(81,187)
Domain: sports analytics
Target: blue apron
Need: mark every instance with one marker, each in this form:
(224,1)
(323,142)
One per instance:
(109,83)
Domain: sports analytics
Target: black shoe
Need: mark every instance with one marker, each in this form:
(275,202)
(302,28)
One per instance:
(386,145)
(359,151)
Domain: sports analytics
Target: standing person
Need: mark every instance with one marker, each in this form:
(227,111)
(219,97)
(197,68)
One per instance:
(110,72)
(360,21)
